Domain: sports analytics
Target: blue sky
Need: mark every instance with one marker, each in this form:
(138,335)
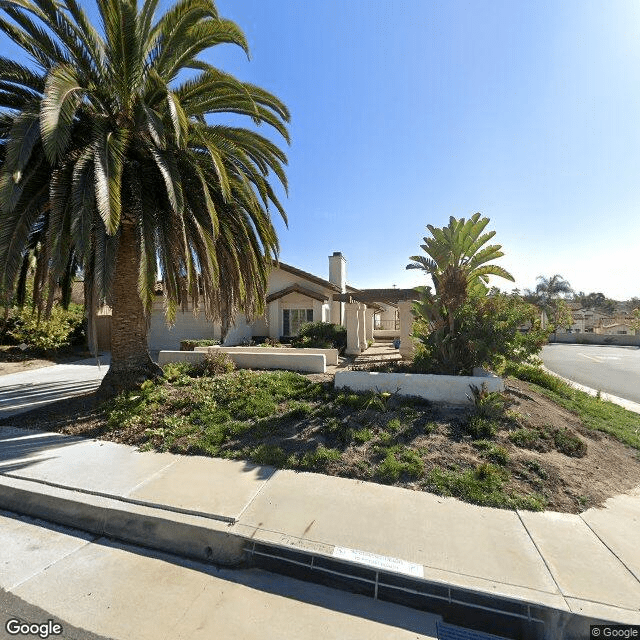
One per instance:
(404,113)
(407,112)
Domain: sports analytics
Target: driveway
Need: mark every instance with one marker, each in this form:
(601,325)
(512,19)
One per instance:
(20,392)
(614,370)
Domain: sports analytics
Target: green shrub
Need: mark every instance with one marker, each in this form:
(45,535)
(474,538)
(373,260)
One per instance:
(479,427)
(60,329)
(190,345)
(363,435)
(269,454)
(525,438)
(397,463)
(321,335)
(488,404)
(569,443)
(213,364)
(319,459)
(487,333)
(492,452)
(537,468)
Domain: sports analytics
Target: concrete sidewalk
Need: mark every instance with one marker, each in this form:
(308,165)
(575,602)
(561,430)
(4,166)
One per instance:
(554,566)
(27,390)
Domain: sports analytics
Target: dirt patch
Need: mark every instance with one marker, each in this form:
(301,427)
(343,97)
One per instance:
(396,442)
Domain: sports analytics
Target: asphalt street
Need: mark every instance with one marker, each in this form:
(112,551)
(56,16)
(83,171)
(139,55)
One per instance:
(614,370)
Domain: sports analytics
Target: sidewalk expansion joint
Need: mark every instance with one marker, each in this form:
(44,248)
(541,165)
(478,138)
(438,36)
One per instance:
(126,500)
(613,553)
(257,493)
(546,564)
(152,476)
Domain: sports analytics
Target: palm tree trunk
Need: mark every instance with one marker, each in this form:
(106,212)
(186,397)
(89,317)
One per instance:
(131,363)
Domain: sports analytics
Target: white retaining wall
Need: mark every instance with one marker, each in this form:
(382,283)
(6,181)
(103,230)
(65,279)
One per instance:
(596,338)
(331,355)
(436,388)
(305,363)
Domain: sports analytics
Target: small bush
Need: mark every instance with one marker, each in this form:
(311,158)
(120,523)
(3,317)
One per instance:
(270,455)
(321,335)
(190,345)
(319,459)
(394,425)
(363,435)
(479,427)
(398,463)
(492,452)
(537,468)
(525,438)
(213,364)
(569,443)
(488,404)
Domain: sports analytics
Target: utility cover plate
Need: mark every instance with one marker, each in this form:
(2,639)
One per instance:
(384,563)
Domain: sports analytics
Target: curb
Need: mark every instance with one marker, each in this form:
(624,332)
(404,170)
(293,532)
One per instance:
(235,545)
(173,532)
(629,405)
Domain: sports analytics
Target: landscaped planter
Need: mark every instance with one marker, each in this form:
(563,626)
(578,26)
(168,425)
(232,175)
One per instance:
(436,388)
(256,359)
(331,355)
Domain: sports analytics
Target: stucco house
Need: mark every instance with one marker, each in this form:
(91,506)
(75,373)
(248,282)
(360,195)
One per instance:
(616,329)
(294,297)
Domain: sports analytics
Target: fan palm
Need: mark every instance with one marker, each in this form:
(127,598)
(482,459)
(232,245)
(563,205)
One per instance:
(549,289)
(109,161)
(458,263)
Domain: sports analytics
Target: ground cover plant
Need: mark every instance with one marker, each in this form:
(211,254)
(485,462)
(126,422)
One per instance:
(521,449)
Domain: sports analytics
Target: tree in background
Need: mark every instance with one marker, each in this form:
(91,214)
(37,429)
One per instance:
(550,289)
(561,317)
(108,162)
(596,301)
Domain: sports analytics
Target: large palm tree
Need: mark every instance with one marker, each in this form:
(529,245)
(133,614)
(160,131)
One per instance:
(110,161)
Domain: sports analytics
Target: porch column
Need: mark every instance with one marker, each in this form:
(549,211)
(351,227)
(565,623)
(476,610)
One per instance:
(407,345)
(363,327)
(274,319)
(353,328)
(368,314)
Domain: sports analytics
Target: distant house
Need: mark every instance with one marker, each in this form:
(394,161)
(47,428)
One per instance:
(294,297)
(616,329)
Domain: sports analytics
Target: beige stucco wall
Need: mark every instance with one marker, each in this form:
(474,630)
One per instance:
(187,326)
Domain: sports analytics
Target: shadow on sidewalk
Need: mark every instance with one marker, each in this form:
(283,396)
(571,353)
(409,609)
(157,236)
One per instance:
(19,398)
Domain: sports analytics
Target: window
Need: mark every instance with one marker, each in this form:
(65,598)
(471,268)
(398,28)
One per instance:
(293,319)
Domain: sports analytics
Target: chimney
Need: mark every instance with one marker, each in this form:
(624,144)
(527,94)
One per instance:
(338,270)
(338,276)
